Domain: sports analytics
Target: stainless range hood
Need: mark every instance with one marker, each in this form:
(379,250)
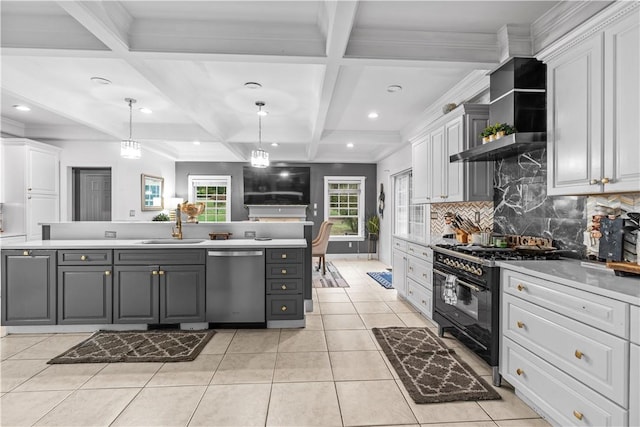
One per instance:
(507,146)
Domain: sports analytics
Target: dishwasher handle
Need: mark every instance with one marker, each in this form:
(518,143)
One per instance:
(234,253)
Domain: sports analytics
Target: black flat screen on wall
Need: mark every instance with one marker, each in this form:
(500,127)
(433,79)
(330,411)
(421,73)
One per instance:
(277,185)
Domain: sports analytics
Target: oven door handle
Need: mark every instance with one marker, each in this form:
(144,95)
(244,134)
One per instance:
(462,282)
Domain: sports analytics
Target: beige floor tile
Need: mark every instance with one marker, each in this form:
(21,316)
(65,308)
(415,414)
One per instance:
(414,320)
(51,346)
(532,422)
(342,321)
(358,365)
(264,341)
(62,377)
(304,404)
(233,405)
(479,366)
(196,372)
(13,344)
(24,409)
(381,320)
(510,407)
(466,424)
(117,375)
(388,295)
(401,307)
(245,368)
(333,297)
(363,296)
(15,372)
(218,344)
(337,308)
(302,340)
(324,291)
(303,367)
(314,323)
(372,403)
(349,340)
(378,307)
(167,406)
(89,407)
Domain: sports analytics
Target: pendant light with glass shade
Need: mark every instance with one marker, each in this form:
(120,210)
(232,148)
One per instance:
(259,157)
(130,149)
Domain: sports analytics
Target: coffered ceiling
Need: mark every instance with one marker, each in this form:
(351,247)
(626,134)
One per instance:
(323,67)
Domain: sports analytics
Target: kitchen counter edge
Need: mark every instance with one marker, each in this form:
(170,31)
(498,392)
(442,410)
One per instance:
(137,244)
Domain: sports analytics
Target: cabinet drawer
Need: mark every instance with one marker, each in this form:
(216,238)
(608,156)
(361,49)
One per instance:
(634,333)
(420,271)
(293,271)
(285,307)
(285,255)
(284,286)
(421,252)
(159,256)
(603,313)
(420,297)
(556,393)
(596,358)
(400,244)
(85,257)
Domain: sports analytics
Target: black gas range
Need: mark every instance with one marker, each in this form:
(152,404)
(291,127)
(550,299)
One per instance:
(466,287)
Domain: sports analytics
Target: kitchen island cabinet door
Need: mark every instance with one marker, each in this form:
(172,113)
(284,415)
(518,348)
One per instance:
(85,295)
(399,276)
(136,294)
(182,297)
(28,287)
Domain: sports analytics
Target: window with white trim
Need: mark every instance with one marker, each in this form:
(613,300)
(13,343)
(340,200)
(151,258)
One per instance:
(344,206)
(409,219)
(215,192)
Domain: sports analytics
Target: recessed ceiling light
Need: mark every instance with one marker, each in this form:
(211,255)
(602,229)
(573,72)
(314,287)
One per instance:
(252,85)
(21,107)
(274,144)
(146,110)
(100,80)
(373,115)
(196,142)
(394,88)
(349,144)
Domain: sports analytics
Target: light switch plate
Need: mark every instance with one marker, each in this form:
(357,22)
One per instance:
(132,212)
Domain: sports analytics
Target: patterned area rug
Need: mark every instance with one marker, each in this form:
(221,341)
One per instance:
(137,346)
(431,372)
(332,279)
(382,277)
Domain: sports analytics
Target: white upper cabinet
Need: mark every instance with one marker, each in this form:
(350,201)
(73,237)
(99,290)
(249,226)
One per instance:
(593,108)
(420,153)
(42,171)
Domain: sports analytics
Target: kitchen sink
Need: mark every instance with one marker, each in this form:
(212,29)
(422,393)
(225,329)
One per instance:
(172,241)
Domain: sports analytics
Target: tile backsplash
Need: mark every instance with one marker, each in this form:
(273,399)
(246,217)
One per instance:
(465,209)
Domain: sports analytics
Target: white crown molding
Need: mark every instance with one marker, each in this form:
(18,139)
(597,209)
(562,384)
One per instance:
(514,41)
(587,28)
(473,84)
(12,127)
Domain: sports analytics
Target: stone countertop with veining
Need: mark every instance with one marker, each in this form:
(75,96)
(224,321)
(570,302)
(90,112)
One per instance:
(573,273)
(162,244)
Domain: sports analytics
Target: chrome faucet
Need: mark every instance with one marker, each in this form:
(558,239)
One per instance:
(174,233)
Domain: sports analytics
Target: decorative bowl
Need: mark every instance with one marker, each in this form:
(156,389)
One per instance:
(192,210)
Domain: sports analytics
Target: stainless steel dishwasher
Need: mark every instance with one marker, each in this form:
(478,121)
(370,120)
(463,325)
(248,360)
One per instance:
(236,287)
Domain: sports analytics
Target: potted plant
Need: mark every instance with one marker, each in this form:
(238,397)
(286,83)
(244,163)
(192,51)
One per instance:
(161,217)
(486,133)
(373,226)
(498,130)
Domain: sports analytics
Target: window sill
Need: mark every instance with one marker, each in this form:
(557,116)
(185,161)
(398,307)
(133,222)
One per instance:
(348,238)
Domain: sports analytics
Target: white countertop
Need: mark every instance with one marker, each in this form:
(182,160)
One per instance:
(573,273)
(137,244)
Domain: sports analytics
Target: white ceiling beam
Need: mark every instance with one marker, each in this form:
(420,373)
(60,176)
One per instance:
(61,52)
(340,19)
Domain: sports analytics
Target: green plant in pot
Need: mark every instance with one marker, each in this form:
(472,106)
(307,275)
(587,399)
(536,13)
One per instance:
(161,217)
(373,226)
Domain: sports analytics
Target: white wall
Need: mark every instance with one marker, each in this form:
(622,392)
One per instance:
(395,163)
(125,176)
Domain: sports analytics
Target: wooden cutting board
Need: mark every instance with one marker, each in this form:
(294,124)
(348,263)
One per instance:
(624,267)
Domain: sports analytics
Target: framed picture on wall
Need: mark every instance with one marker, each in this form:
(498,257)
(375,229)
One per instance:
(151,189)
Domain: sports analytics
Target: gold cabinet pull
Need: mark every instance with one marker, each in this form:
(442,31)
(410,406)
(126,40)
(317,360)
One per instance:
(25,253)
(410,268)
(425,254)
(411,250)
(594,182)
(283,287)
(605,180)
(154,273)
(283,271)
(520,287)
(578,415)
(424,275)
(410,292)
(161,273)
(424,302)
(83,258)
(519,371)
(283,256)
(520,324)
(107,273)
(283,308)
(578,354)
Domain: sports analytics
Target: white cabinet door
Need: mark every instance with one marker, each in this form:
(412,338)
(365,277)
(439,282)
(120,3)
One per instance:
(438,168)
(421,170)
(42,171)
(621,104)
(41,208)
(399,274)
(634,386)
(454,136)
(574,119)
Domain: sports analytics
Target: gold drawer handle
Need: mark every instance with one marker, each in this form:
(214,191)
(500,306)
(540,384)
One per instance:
(424,275)
(107,273)
(520,324)
(283,256)
(283,271)
(83,258)
(283,287)
(519,371)
(410,268)
(283,308)
(579,354)
(424,302)
(425,254)
(154,273)
(161,273)
(520,287)
(578,415)
(25,253)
